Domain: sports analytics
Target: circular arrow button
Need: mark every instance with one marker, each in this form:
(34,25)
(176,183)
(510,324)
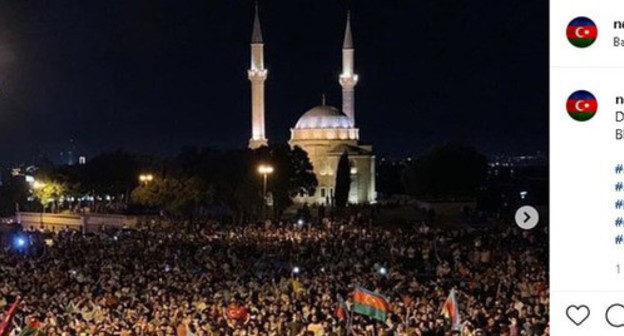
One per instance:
(527,217)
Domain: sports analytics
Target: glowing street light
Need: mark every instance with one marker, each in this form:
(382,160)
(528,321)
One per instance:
(146,178)
(38,185)
(265,171)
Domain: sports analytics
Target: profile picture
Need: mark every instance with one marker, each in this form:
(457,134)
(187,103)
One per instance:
(582,105)
(582,32)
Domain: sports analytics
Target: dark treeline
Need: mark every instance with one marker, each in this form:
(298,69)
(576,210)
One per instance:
(199,183)
(188,187)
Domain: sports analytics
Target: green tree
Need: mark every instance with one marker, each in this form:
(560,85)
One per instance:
(452,171)
(48,192)
(294,174)
(179,196)
(343,181)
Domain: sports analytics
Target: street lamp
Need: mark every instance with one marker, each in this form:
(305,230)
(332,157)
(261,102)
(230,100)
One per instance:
(146,178)
(37,185)
(265,171)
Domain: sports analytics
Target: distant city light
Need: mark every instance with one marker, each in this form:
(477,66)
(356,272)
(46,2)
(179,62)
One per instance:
(383,271)
(296,270)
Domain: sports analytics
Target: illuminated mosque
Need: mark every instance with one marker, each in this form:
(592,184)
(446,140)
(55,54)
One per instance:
(324,132)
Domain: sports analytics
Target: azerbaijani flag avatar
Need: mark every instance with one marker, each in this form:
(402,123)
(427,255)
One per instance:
(370,304)
(582,32)
(582,105)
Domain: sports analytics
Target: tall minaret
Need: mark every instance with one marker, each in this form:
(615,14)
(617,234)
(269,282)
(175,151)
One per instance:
(348,79)
(257,75)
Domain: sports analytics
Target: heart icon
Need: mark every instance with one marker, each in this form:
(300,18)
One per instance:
(578,314)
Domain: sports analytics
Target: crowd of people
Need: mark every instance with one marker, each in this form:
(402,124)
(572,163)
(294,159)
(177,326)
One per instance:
(281,279)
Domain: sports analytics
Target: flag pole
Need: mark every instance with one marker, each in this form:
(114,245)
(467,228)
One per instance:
(406,322)
(349,322)
(5,326)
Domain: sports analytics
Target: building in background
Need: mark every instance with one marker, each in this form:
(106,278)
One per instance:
(324,132)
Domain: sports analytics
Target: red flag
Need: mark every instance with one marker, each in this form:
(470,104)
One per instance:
(236,312)
(5,327)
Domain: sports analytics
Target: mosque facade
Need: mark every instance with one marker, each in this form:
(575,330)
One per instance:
(324,132)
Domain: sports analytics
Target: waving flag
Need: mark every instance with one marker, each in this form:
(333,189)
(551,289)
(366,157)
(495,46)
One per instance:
(5,327)
(450,310)
(341,309)
(582,32)
(582,105)
(370,304)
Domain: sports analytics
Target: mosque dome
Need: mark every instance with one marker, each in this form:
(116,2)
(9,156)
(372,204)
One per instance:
(322,117)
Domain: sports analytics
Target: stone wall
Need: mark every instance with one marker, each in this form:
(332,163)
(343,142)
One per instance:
(79,222)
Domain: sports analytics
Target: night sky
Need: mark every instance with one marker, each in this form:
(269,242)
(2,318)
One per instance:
(154,76)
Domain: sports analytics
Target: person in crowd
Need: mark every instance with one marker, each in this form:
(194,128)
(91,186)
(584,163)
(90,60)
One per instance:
(278,280)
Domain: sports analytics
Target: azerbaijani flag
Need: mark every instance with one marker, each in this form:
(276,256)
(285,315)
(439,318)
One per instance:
(370,304)
(237,312)
(582,105)
(450,310)
(582,32)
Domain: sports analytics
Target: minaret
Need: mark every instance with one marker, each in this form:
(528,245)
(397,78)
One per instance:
(348,79)
(257,75)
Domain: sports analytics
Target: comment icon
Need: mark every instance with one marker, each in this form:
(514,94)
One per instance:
(615,315)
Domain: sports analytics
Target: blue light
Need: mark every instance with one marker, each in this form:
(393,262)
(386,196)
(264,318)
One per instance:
(383,271)
(20,242)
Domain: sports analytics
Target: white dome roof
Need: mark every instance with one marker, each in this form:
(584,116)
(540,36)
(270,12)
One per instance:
(324,116)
